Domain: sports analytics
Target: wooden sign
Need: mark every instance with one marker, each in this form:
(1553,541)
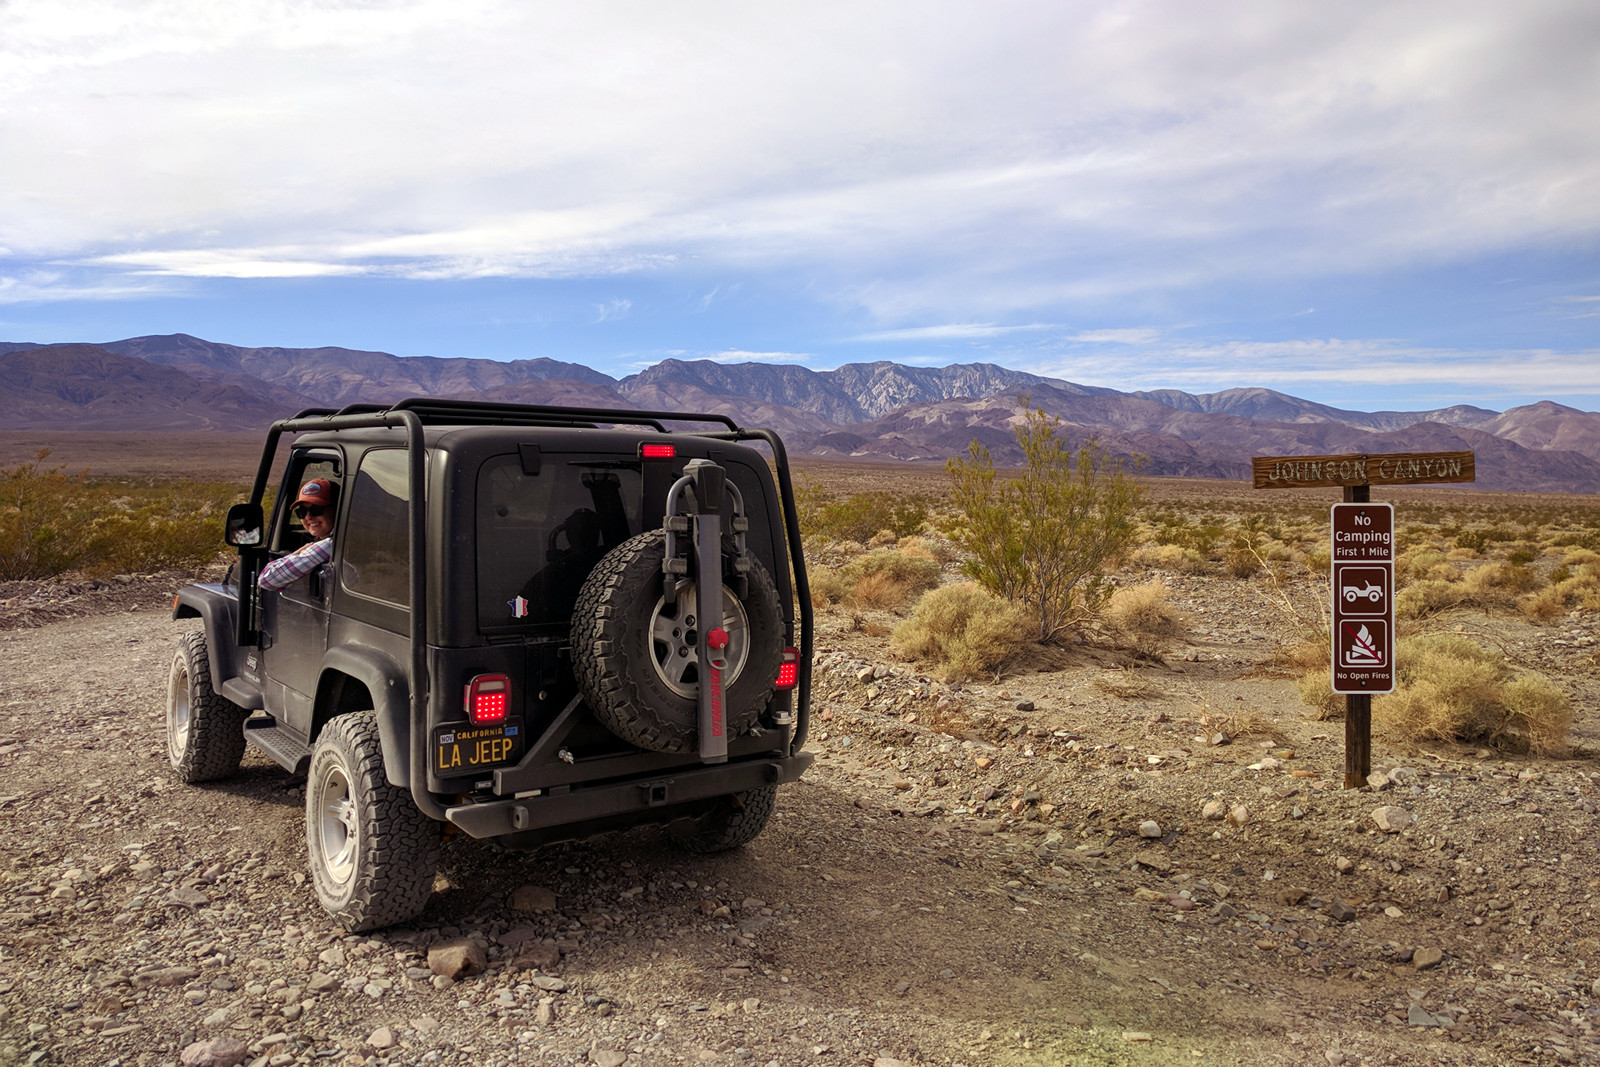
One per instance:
(1389,468)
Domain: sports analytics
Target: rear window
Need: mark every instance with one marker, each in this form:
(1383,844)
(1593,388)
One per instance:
(539,535)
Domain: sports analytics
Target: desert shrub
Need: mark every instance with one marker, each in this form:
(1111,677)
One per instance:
(883,539)
(1477,540)
(1316,691)
(924,548)
(52,522)
(1577,557)
(1042,538)
(1448,688)
(1499,584)
(886,578)
(1578,590)
(1168,558)
(862,516)
(826,586)
(1428,597)
(1318,561)
(1521,557)
(1171,528)
(1240,560)
(1459,554)
(1144,615)
(1415,564)
(963,631)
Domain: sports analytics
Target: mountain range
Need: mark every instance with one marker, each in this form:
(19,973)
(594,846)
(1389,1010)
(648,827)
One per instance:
(869,411)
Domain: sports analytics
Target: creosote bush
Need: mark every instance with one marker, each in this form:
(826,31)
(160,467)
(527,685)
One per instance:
(52,522)
(1042,538)
(1449,688)
(863,517)
(1168,558)
(963,631)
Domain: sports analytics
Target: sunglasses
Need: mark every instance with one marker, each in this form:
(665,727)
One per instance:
(314,510)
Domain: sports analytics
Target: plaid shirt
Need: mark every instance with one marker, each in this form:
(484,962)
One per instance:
(296,565)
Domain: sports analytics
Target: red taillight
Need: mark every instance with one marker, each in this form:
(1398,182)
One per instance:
(488,699)
(788,670)
(657,451)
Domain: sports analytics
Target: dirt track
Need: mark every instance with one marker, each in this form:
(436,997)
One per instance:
(975,896)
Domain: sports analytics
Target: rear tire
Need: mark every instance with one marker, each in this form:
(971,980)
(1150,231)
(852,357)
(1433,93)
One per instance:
(205,731)
(735,820)
(372,853)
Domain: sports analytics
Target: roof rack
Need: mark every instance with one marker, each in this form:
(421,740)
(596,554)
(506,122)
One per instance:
(434,411)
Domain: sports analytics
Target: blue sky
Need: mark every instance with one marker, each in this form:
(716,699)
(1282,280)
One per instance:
(1375,205)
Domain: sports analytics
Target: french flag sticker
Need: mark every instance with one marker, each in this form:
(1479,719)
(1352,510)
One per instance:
(519,607)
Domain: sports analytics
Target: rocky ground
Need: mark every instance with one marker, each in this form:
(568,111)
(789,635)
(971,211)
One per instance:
(1106,859)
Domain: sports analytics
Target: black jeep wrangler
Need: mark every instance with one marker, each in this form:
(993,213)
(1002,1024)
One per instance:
(537,624)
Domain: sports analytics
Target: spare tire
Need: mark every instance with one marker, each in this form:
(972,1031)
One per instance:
(636,657)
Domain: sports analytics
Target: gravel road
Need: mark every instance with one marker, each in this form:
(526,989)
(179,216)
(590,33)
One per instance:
(1089,877)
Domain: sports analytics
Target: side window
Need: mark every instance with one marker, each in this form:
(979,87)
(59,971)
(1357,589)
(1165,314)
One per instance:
(289,533)
(375,560)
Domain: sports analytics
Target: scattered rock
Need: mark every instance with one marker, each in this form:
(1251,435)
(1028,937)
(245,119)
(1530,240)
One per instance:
(1290,896)
(1238,815)
(1377,781)
(1425,959)
(457,959)
(221,1051)
(1136,1035)
(1341,911)
(1149,828)
(381,1038)
(1391,820)
(1214,810)
(533,898)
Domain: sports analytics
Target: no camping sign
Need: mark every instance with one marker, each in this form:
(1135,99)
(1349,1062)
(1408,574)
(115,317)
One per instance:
(1363,597)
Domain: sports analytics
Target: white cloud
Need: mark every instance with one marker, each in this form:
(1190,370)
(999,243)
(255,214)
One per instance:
(934,159)
(1134,336)
(955,331)
(611,310)
(1362,372)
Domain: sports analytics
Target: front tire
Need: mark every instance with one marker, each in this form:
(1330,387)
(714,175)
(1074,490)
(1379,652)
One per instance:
(205,730)
(372,853)
(734,820)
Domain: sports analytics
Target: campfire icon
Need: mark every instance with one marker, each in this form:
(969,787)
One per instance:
(1360,647)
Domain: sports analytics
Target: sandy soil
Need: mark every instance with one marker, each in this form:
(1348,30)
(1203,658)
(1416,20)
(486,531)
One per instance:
(957,882)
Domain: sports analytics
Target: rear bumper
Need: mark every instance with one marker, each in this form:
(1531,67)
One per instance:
(642,796)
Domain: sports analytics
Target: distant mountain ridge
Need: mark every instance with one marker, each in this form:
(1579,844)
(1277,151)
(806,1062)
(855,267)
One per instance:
(879,410)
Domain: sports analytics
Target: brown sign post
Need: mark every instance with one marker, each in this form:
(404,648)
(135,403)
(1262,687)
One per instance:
(1362,567)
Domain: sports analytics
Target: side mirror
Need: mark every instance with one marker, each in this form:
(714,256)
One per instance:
(244,526)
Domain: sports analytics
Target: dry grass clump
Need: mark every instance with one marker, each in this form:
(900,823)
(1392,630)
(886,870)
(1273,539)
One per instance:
(927,548)
(1168,558)
(1578,556)
(884,578)
(1143,616)
(1428,597)
(1128,685)
(963,631)
(1567,591)
(1316,691)
(1448,688)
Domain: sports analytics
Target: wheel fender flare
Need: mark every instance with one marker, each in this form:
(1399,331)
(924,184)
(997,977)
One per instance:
(217,611)
(391,699)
